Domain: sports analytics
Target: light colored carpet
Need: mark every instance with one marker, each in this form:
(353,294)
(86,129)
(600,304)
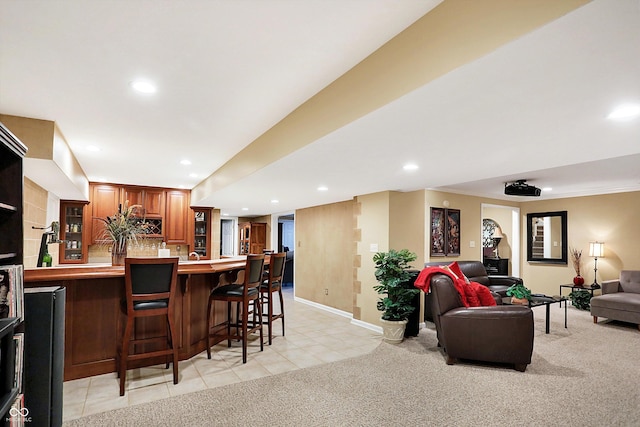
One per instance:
(586,375)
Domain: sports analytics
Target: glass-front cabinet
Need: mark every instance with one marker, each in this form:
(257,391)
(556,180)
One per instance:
(202,232)
(73,249)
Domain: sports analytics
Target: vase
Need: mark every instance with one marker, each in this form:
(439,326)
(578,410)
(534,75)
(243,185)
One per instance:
(117,257)
(519,301)
(393,330)
(578,281)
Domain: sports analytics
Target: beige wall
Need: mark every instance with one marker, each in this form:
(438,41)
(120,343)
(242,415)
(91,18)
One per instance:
(324,255)
(335,240)
(372,228)
(36,200)
(612,219)
(386,220)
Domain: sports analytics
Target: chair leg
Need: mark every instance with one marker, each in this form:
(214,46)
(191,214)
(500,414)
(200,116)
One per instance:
(124,356)
(281,307)
(259,309)
(270,315)
(245,321)
(209,304)
(229,323)
(171,333)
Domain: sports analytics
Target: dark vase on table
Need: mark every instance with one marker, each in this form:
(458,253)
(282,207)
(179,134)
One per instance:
(578,281)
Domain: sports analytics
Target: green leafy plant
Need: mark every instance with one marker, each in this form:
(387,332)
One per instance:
(391,272)
(519,290)
(581,299)
(123,227)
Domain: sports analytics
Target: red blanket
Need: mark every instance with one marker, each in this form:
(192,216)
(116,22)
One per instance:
(472,294)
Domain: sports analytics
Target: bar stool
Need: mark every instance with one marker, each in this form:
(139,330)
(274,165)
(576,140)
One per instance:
(150,288)
(247,294)
(272,284)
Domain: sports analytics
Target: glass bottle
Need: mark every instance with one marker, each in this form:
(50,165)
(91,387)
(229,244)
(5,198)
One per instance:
(46,259)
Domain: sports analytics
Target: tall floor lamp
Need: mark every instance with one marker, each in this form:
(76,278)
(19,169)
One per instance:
(596,249)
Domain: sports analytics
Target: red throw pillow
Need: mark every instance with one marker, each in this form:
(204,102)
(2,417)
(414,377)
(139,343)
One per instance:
(483,294)
(455,268)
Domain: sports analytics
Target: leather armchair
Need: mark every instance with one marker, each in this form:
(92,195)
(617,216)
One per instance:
(475,271)
(502,334)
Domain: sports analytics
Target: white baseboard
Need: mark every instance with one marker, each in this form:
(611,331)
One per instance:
(342,313)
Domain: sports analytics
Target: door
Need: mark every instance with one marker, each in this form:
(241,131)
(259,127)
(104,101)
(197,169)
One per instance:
(227,233)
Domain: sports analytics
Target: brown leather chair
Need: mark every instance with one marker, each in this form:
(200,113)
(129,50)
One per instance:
(150,288)
(502,334)
(271,285)
(247,294)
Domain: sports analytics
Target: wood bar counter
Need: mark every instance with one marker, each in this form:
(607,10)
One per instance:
(93,323)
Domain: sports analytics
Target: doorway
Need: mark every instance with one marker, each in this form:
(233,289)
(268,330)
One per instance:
(286,243)
(508,219)
(227,237)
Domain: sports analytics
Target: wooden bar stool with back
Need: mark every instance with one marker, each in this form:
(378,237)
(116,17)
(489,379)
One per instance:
(150,288)
(271,285)
(247,294)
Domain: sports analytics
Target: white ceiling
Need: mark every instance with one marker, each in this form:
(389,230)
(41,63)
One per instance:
(229,70)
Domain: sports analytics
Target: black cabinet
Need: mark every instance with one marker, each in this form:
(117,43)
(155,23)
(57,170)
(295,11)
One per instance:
(44,354)
(12,152)
(496,266)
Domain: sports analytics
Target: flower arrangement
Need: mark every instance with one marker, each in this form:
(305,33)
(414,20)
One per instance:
(123,227)
(576,257)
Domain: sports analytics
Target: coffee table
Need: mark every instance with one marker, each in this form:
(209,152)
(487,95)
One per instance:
(537,301)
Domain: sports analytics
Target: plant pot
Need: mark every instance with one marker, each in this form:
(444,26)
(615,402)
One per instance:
(117,258)
(519,301)
(393,330)
(578,281)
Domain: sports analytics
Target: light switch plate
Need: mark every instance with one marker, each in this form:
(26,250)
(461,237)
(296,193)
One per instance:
(472,244)
(373,247)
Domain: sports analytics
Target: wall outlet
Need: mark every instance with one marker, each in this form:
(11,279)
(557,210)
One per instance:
(178,248)
(472,244)
(326,291)
(373,247)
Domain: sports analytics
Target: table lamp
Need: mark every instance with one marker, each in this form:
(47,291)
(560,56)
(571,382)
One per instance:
(496,237)
(596,249)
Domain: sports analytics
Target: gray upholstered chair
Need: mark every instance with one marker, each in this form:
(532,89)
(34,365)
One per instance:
(620,299)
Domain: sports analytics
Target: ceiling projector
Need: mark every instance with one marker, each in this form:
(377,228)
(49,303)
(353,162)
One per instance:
(521,188)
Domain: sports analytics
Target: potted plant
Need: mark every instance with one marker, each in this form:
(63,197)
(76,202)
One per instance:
(396,303)
(519,294)
(581,299)
(576,257)
(121,229)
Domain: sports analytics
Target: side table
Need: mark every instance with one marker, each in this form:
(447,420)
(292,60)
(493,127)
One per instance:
(572,287)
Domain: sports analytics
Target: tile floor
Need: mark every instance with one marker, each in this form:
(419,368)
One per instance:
(313,336)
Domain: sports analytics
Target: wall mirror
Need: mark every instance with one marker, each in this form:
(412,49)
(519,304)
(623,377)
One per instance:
(547,237)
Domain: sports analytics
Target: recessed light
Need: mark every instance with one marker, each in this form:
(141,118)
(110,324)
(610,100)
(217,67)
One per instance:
(547,189)
(409,167)
(193,175)
(323,188)
(274,201)
(144,86)
(185,162)
(245,209)
(625,112)
(225,214)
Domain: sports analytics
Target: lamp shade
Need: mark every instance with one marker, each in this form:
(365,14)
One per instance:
(596,249)
(497,233)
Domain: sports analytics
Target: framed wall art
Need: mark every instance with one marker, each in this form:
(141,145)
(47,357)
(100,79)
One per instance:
(438,232)
(453,232)
(445,232)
